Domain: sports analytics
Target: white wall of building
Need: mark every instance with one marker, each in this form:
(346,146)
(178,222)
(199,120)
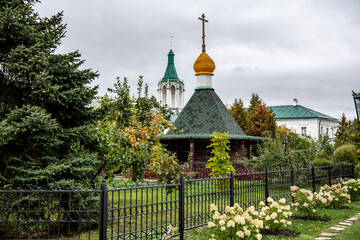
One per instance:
(311,126)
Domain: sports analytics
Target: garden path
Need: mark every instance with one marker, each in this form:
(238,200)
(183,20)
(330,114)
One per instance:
(337,228)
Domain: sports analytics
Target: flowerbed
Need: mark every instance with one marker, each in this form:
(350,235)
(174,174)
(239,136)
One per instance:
(237,223)
(334,196)
(353,187)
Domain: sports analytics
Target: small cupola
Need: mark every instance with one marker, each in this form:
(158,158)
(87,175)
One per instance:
(204,66)
(295,102)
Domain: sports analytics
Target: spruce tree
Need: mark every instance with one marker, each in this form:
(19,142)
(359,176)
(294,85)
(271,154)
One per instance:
(343,133)
(44,101)
(262,121)
(254,101)
(240,115)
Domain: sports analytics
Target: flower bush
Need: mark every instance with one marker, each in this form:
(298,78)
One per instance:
(333,196)
(323,199)
(353,187)
(235,223)
(304,200)
(275,215)
(338,193)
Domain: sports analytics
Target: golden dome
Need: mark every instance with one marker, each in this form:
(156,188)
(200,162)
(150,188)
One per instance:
(204,64)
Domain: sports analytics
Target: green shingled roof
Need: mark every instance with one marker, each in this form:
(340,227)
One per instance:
(204,114)
(298,112)
(170,73)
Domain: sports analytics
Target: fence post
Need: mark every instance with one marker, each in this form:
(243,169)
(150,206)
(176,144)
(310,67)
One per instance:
(103,211)
(266,185)
(342,171)
(181,207)
(292,181)
(232,190)
(329,172)
(313,177)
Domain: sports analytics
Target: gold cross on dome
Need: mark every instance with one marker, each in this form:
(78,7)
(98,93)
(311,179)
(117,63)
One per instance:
(202,18)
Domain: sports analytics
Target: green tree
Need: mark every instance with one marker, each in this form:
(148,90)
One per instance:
(220,164)
(240,115)
(345,154)
(44,101)
(324,145)
(300,152)
(127,135)
(343,133)
(271,154)
(262,121)
(254,101)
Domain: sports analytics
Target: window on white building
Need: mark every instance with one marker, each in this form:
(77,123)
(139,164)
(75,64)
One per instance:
(303,131)
(322,130)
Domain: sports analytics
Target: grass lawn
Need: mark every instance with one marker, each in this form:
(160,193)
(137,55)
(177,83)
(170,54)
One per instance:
(307,229)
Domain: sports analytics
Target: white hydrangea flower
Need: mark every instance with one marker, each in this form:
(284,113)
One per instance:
(240,234)
(273,215)
(230,223)
(211,224)
(213,207)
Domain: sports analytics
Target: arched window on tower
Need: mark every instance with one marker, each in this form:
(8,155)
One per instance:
(164,95)
(173,104)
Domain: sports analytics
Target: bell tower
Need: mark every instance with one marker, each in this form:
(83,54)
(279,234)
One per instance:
(170,87)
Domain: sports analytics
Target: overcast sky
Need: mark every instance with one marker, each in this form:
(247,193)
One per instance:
(280,49)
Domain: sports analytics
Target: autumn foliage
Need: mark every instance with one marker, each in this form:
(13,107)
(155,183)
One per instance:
(257,120)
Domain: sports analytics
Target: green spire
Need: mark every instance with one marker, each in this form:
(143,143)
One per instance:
(170,73)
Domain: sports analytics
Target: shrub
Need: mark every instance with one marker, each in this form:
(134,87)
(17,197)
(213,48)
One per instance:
(323,199)
(338,193)
(304,200)
(321,162)
(275,215)
(328,197)
(353,187)
(345,154)
(220,164)
(235,223)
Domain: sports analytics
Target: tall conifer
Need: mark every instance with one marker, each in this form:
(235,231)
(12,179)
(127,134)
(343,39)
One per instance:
(240,115)
(44,101)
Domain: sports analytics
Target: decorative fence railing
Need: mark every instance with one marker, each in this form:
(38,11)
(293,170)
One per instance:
(145,211)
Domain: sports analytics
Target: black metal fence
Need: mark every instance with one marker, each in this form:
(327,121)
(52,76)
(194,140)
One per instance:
(146,210)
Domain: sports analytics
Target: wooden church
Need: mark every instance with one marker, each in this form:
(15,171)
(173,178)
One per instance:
(204,114)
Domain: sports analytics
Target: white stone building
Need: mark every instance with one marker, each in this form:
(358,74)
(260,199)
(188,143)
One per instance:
(305,121)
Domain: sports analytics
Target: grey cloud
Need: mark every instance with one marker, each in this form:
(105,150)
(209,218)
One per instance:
(303,49)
